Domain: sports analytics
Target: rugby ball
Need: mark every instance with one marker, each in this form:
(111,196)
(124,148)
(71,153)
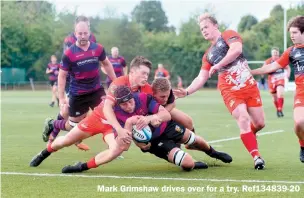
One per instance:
(143,135)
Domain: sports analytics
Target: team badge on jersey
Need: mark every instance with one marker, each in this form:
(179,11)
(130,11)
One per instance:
(178,129)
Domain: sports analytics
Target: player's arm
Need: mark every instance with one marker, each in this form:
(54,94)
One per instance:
(158,114)
(62,76)
(125,67)
(288,71)
(235,49)
(48,71)
(125,70)
(171,106)
(107,68)
(108,111)
(266,69)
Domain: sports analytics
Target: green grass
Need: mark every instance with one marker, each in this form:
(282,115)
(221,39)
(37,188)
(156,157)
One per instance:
(23,114)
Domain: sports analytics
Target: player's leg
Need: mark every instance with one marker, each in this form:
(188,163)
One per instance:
(168,150)
(299,127)
(196,142)
(70,138)
(280,95)
(240,113)
(113,151)
(182,118)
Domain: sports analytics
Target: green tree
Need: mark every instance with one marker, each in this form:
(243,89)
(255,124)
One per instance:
(246,23)
(151,15)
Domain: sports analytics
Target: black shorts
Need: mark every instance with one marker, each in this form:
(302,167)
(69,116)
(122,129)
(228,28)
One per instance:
(53,82)
(80,105)
(172,135)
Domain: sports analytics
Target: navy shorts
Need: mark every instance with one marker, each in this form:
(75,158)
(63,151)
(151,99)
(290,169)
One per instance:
(81,104)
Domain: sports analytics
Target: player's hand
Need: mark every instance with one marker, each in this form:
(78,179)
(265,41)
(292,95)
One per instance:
(62,103)
(124,136)
(180,93)
(213,70)
(143,146)
(155,121)
(142,122)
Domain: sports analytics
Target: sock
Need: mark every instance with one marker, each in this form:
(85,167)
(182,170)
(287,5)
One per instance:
(59,117)
(91,163)
(59,124)
(54,133)
(210,151)
(276,104)
(251,144)
(280,104)
(301,143)
(45,153)
(50,149)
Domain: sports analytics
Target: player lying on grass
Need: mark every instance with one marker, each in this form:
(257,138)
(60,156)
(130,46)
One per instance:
(96,123)
(166,135)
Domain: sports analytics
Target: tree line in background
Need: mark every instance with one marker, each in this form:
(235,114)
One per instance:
(32,31)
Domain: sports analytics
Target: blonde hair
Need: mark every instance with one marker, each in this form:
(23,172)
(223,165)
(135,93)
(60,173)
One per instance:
(206,16)
(161,84)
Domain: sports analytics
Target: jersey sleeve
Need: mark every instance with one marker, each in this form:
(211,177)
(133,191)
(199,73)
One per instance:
(123,63)
(231,36)
(205,64)
(283,61)
(66,63)
(102,55)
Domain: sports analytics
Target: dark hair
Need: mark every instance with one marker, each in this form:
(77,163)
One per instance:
(140,60)
(161,84)
(122,94)
(297,22)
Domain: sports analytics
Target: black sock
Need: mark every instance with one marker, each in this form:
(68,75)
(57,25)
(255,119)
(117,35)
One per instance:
(45,153)
(210,151)
(84,166)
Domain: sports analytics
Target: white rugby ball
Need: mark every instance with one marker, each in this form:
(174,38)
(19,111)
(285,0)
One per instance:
(143,135)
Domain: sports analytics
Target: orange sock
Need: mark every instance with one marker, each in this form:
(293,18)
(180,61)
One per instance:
(91,163)
(280,104)
(301,143)
(251,144)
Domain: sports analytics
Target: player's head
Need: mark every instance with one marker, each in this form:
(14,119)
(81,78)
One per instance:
(208,26)
(161,90)
(53,59)
(114,52)
(296,29)
(82,30)
(124,98)
(275,52)
(160,66)
(140,69)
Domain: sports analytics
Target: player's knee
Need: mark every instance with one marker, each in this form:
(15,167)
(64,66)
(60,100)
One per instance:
(180,158)
(260,124)
(190,139)
(188,163)
(299,124)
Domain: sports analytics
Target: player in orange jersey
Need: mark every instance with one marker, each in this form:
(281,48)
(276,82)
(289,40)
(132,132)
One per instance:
(276,81)
(237,86)
(294,55)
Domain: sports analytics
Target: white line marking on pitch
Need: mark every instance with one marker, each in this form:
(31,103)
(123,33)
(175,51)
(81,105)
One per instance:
(236,138)
(150,178)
